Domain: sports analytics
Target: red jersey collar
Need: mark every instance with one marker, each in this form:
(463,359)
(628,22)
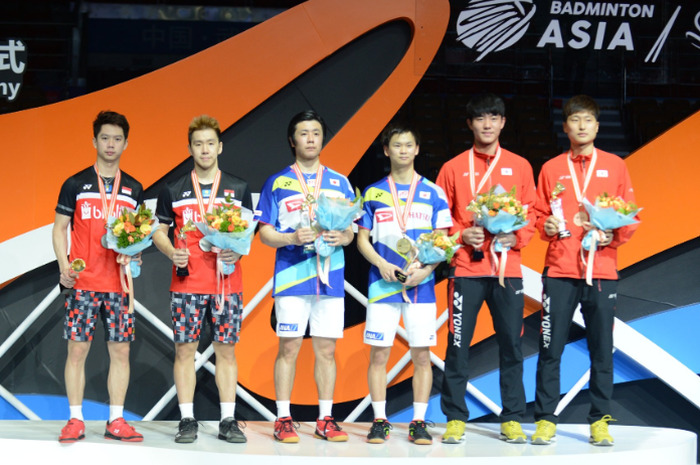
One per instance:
(581,157)
(486,155)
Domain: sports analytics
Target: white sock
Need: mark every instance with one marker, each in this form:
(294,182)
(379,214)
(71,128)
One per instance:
(227,410)
(187,410)
(115,411)
(283,408)
(324,408)
(379,409)
(419,409)
(76,411)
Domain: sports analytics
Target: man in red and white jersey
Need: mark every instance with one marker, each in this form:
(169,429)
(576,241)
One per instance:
(195,288)
(86,202)
(581,173)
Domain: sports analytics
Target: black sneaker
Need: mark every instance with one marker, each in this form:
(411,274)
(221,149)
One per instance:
(379,431)
(187,431)
(418,434)
(230,431)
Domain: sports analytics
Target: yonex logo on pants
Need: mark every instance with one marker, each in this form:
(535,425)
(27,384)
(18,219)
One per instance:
(457,320)
(546,323)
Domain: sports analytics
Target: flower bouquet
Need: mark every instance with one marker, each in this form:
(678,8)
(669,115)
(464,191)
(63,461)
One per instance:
(129,234)
(436,247)
(228,227)
(499,212)
(333,214)
(607,213)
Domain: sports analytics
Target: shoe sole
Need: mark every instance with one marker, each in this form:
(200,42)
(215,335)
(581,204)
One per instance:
(336,439)
(452,440)
(292,440)
(71,440)
(542,442)
(518,440)
(185,440)
(117,438)
(421,442)
(233,440)
(604,442)
(376,441)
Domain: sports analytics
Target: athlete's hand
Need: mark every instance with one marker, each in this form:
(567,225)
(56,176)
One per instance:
(334,238)
(387,271)
(180,257)
(551,225)
(606,237)
(67,278)
(303,236)
(228,256)
(416,275)
(507,240)
(473,236)
(137,259)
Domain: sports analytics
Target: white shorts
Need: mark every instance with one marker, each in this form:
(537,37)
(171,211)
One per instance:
(326,314)
(419,320)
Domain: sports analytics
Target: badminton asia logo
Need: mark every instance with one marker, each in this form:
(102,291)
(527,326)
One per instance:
(487,26)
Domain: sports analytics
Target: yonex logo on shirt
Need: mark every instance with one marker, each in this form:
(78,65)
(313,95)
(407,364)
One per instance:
(87,187)
(186,193)
(373,336)
(288,327)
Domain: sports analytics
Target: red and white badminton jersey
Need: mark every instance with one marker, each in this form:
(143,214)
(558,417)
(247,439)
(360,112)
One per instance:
(177,203)
(80,200)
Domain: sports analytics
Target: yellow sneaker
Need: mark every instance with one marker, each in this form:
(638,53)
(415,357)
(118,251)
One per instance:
(599,432)
(512,432)
(545,433)
(454,434)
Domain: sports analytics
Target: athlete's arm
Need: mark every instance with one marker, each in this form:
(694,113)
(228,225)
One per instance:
(365,247)
(272,238)
(417,275)
(59,237)
(160,239)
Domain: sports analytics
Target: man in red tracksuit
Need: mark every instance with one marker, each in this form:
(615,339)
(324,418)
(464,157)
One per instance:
(583,172)
(473,274)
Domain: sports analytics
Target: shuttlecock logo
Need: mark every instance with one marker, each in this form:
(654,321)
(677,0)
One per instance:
(493,25)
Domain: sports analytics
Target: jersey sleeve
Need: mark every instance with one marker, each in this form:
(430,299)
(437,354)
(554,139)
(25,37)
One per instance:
(247,200)
(441,210)
(67,198)
(528,196)
(366,221)
(543,209)
(267,205)
(445,181)
(164,207)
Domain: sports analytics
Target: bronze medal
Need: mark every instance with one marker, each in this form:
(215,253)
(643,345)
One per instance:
(580,218)
(403,246)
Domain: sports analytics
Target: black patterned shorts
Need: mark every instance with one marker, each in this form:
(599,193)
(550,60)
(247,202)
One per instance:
(82,308)
(188,315)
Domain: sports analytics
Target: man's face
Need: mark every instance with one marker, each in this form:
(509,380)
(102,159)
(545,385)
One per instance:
(205,148)
(402,150)
(581,127)
(307,140)
(110,143)
(487,128)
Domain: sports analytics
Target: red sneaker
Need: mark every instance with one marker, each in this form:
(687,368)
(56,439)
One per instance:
(73,431)
(120,430)
(329,430)
(285,430)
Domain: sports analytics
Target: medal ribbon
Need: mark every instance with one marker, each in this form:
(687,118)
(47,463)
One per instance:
(580,195)
(212,195)
(103,194)
(472,177)
(305,187)
(402,216)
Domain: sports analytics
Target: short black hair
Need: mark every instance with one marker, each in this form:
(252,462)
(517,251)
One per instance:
(308,115)
(110,117)
(580,103)
(394,129)
(485,104)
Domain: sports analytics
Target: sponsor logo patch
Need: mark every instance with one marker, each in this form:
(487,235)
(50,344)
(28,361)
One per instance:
(287,327)
(383,217)
(372,336)
(87,187)
(294,205)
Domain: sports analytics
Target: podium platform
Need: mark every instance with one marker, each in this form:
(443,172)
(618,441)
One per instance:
(28,440)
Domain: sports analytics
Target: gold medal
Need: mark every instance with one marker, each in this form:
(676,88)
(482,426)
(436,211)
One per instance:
(403,246)
(580,218)
(77,265)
